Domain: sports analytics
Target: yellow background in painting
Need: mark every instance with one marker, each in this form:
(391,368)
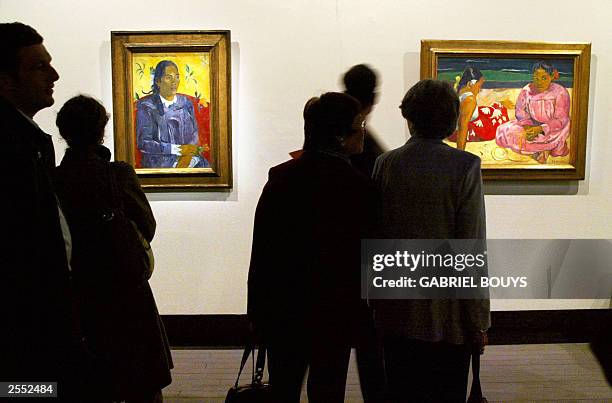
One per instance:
(198,63)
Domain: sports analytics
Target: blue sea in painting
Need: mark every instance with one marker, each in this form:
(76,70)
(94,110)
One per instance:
(504,72)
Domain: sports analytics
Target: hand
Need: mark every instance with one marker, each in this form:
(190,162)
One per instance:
(184,161)
(479,340)
(531,132)
(189,149)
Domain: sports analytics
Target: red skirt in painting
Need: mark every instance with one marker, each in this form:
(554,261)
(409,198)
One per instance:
(483,128)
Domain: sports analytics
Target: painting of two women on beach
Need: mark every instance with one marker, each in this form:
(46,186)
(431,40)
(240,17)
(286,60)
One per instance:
(513,111)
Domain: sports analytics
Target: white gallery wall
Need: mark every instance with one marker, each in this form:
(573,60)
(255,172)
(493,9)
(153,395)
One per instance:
(284,52)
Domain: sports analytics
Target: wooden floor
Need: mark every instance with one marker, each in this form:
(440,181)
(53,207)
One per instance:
(533,373)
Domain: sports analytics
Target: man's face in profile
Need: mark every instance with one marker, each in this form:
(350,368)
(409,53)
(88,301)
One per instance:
(169,82)
(31,88)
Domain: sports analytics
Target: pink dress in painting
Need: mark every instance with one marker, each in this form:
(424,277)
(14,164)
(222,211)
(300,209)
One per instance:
(549,109)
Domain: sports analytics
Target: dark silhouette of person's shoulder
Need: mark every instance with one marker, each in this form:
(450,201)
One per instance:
(124,171)
(318,167)
(463,159)
(123,167)
(459,155)
(363,180)
(391,153)
(308,161)
(389,156)
(434,149)
(282,170)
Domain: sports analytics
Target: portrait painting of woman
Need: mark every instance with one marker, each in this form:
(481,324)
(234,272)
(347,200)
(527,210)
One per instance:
(172,117)
(172,107)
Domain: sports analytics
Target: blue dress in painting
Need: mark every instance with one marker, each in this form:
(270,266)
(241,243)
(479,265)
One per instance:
(161,129)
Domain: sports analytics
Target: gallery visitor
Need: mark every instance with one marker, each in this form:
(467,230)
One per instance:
(304,280)
(103,201)
(430,190)
(40,337)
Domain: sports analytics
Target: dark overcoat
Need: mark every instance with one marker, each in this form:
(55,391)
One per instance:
(120,320)
(305,261)
(38,329)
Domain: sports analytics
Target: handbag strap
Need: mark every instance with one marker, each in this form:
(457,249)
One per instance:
(476,390)
(245,356)
(258,367)
(258,372)
(116,200)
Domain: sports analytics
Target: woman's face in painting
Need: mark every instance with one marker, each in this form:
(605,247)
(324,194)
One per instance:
(542,80)
(169,82)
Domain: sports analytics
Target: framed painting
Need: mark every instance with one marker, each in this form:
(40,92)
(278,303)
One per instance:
(172,108)
(523,105)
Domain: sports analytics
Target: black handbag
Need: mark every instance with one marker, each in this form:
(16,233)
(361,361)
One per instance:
(133,253)
(476,391)
(257,391)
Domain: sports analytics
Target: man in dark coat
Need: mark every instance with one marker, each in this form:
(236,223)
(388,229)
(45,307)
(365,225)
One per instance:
(39,338)
(304,278)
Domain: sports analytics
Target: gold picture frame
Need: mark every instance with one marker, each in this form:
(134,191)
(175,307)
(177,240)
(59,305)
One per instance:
(509,147)
(172,107)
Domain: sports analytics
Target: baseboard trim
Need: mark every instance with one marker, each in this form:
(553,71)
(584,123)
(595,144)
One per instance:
(508,327)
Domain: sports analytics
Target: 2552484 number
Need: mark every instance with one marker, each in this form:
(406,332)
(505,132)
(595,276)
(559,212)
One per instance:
(29,389)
